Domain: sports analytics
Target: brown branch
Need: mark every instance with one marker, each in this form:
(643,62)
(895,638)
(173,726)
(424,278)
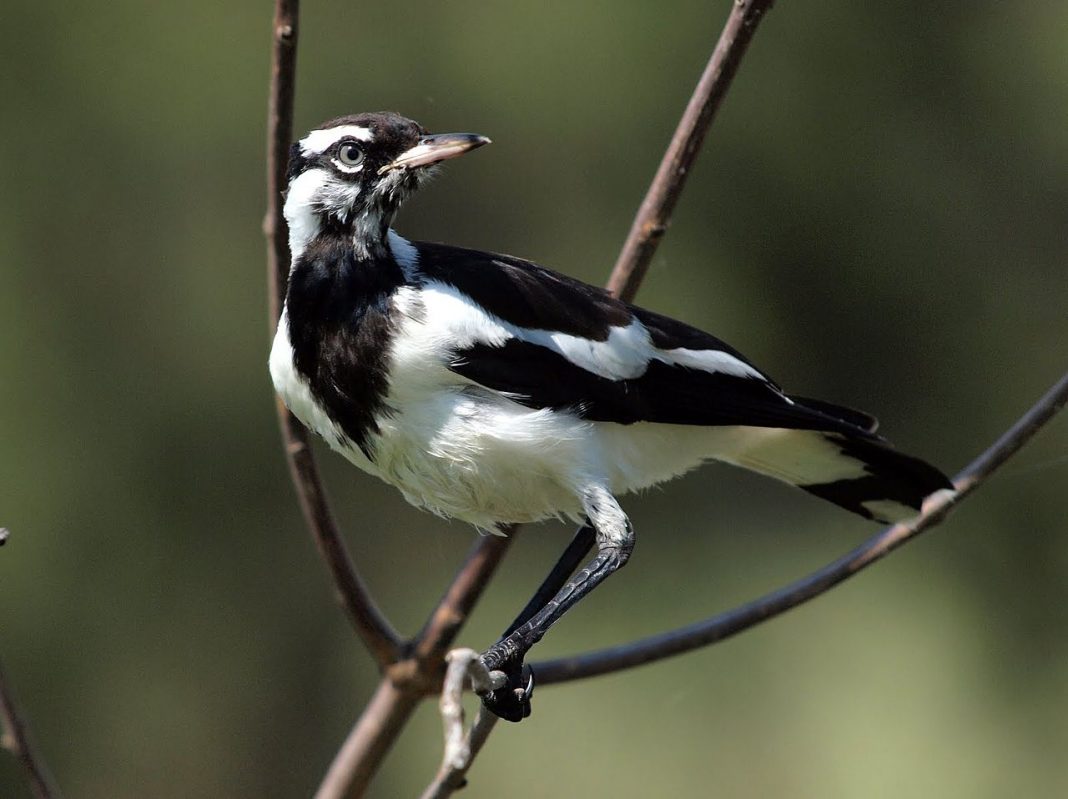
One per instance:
(465,590)
(14,737)
(373,628)
(654,215)
(366,746)
(725,625)
(409,680)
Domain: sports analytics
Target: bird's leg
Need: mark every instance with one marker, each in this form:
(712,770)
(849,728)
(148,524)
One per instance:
(576,551)
(615,541)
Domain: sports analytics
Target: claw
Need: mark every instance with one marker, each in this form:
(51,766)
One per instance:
(512,700)
(528,692)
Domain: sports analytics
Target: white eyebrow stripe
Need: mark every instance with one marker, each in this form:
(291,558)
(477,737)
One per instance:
(319,141)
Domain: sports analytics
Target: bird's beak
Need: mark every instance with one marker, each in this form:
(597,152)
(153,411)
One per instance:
(431,149)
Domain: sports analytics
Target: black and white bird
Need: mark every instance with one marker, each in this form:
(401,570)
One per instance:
(490,389)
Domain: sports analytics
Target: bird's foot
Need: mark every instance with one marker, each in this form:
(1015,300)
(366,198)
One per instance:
(511,701)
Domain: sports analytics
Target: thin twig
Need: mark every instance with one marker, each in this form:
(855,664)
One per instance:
(654,215)
(454,777)
(725,625)
(371,625)
(460,748)
(15,737)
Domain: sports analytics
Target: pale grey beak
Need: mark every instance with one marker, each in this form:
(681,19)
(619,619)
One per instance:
(431,149)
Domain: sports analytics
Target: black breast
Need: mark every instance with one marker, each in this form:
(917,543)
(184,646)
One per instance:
(340,324)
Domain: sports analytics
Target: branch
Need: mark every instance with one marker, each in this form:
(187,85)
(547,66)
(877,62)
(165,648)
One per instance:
(370,624)
(462,594)
(724,625)
(460,749)
(654,215)
(369,741)
(409,680)
(15,738)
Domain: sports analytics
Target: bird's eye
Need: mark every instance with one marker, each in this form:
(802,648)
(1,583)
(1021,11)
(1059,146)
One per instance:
(350,154)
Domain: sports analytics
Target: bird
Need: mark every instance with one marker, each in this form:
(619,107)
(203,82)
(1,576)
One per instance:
(489,389)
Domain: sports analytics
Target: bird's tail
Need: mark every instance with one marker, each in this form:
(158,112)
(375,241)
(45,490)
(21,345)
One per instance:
(852,468)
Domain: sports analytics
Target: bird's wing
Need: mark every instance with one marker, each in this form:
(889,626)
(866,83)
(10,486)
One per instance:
(549,341)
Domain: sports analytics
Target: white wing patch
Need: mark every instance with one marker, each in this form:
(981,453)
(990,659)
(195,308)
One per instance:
(710,361)
(458,322)
(623,356)
(455,321)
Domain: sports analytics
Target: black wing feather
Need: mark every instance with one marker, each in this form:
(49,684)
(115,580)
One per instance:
(530,296)
(540,378)
(524,293)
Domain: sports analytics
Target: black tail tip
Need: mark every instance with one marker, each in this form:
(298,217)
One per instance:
(892,488)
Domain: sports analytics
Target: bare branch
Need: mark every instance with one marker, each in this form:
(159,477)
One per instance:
(409,680)
(371,625)
(14,737)
(462,594)
(654,215)
(279,135)
(724,625)
(460,749)
(369,741)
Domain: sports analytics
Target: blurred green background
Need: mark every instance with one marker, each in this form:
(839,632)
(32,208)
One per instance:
(878,219)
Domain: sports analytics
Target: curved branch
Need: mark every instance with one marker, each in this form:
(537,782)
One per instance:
(371,625)
(15,738)
(654,215)
(724,625)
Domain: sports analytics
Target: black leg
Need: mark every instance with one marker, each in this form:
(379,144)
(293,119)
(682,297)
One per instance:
(615,541)
(576,551)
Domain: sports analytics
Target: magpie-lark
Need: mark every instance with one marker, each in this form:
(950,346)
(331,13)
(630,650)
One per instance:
(492,390)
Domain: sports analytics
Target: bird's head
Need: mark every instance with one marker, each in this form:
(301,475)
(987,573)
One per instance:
(352,174)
